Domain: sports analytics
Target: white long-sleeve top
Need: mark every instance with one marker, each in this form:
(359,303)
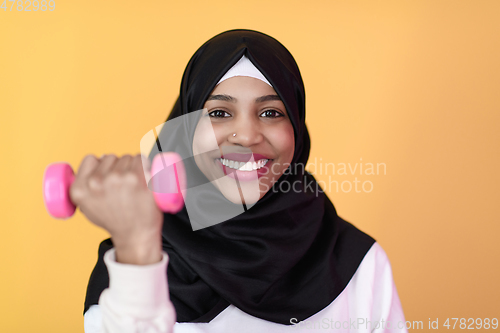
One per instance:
(137,301)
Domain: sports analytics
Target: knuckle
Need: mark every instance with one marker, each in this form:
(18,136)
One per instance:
(77,193)
(89,161)
(130,178)
(125,159)
(95,183)
(89,157)
(109,159)
(113,179)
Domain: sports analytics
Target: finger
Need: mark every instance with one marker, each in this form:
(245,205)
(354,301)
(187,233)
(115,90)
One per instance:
(136,163)
(122,164)
(146,167)
(107,162)
(146,163)
(87,167)
(137,166)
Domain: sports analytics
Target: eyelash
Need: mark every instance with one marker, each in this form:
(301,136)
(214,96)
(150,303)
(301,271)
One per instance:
(270,110)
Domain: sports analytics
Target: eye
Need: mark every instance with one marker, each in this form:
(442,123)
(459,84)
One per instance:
(218,114)
(272,114)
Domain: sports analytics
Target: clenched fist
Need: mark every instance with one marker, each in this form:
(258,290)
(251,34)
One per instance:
(113,194)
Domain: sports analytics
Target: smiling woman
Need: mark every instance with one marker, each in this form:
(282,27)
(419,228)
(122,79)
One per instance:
(259,260)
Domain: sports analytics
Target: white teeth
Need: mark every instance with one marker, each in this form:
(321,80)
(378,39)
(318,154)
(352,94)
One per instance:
(242,166)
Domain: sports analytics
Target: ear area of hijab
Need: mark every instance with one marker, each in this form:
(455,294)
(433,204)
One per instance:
(244,67)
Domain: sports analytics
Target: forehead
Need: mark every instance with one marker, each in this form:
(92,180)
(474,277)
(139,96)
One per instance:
(243,85)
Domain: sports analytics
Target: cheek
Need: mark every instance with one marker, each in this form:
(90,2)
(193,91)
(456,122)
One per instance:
(204,142)
(204,139)
(284,143)
(220,133)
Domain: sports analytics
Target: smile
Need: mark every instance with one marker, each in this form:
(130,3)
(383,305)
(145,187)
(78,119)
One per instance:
(242,166)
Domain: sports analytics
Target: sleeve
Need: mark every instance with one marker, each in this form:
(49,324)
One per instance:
(387,309)
(136,301)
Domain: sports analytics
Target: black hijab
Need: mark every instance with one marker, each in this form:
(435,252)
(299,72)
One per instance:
(288,256)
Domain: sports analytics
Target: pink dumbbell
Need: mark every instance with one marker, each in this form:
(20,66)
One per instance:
(167,182)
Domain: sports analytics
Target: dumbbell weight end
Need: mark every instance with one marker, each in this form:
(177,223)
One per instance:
(57,179)
(167,169)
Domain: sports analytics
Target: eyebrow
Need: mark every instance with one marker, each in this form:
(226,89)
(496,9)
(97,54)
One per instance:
(228,98)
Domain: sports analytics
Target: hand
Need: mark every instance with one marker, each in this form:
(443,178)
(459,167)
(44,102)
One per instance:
(112,193)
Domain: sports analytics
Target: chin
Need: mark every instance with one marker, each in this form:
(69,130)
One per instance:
(248,193)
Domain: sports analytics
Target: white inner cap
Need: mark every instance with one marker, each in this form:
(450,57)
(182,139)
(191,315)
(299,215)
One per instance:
(244,67)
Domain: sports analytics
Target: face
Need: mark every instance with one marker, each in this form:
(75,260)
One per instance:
(245,166)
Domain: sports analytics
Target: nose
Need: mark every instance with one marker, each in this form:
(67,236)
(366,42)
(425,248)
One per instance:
(248,132)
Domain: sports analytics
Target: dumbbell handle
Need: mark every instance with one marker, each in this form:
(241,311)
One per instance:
(167,188)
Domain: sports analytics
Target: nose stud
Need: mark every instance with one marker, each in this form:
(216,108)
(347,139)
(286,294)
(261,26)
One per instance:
(234,134)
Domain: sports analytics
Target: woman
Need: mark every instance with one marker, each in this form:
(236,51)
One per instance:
(258,249)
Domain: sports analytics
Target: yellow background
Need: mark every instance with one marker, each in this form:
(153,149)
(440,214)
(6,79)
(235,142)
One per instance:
(412,84)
